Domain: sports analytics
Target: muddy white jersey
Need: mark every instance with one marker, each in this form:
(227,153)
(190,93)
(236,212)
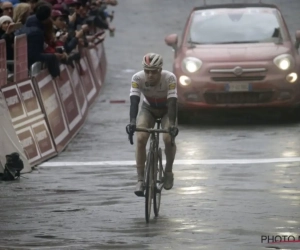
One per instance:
(155,96)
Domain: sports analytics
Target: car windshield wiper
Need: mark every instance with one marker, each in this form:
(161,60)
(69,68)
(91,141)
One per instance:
(193,42)
(236,42)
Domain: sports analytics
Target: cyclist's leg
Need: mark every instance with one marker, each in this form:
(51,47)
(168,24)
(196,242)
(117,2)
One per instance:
(146,120)
(170,151)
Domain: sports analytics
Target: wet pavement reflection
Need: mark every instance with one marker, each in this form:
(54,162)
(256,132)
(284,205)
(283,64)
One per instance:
(210,207)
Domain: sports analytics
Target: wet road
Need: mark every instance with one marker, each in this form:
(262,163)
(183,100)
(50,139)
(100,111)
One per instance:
(247,184)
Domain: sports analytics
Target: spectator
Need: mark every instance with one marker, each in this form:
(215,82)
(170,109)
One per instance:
(35,3)
(59,20)
(77,11)
(60,8)
(7,34)
(52,44)
(7,9)
(102,19)
(21,12)
(35,29)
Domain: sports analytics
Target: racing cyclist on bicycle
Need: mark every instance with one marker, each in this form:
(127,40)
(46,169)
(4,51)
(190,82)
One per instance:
(159,88)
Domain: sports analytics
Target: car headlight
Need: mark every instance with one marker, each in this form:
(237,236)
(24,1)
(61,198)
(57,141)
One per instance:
(191,64)
(185,80)
(284,62)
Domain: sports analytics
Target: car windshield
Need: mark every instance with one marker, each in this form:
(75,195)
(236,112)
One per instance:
(246,25)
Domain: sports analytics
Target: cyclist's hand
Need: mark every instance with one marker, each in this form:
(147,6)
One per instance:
(173,130)
(130,128)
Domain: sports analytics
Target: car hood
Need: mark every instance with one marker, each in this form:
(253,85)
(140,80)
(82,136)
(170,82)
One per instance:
(225,53)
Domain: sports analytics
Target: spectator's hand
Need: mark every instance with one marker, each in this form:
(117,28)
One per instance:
(64,37)
(111,28)
(72,18)
(12,27)
(85,28)
(65,56)
(79,33)
(59,56)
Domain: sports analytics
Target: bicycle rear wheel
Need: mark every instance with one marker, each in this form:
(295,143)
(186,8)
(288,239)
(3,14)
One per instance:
(149,186)
(158,180)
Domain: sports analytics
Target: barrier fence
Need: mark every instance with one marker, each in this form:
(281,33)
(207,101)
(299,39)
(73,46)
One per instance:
(47,113)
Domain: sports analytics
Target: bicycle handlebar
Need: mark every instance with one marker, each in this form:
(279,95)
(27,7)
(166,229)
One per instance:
(152,130)
(149,130)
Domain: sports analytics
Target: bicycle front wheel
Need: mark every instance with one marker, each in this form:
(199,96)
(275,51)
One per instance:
(149,186)
(158,179)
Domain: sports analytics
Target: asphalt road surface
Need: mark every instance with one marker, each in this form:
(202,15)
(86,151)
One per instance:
(236,183)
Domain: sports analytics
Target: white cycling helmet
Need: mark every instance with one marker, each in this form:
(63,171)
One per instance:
(152,61)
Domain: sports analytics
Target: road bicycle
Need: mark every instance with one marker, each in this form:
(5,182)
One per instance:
(154,171)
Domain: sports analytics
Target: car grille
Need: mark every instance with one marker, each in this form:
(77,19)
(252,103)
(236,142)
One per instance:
(238,98)
(236,79)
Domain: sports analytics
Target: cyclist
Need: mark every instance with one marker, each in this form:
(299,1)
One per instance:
(159,88)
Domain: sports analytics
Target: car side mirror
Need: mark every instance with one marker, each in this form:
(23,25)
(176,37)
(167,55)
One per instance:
(172,41)
(297,36)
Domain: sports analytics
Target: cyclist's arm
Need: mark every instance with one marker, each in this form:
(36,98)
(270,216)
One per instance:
(172,99)
(135,96)
(134,107)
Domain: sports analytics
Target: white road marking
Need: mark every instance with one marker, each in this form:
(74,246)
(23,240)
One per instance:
(176,162)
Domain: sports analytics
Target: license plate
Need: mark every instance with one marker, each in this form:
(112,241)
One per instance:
(238,87)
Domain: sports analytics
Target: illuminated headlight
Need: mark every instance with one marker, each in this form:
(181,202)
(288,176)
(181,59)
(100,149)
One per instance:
(284,62)
(185,80)
(292,77)
(191,64)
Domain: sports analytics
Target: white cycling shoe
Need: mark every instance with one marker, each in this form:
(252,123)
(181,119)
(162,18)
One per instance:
(139,189)
(168,180)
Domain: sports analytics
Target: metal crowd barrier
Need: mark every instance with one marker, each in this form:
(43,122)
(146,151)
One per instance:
(47,113)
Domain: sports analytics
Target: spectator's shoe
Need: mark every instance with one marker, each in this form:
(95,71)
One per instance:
(139,189)
(168,180)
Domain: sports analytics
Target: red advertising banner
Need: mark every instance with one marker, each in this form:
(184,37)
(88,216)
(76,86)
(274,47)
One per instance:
(26,138)
(14,103)
(29,98)
(25,111)
(3,66)
(43,139)
(20,58)
(78,89)
(53,108)
(68,99)
(37,142)
(88,80)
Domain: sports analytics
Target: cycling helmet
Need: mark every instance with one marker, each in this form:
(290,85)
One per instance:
(152,61)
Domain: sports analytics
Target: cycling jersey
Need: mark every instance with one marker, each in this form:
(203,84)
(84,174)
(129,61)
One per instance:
(155,96)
